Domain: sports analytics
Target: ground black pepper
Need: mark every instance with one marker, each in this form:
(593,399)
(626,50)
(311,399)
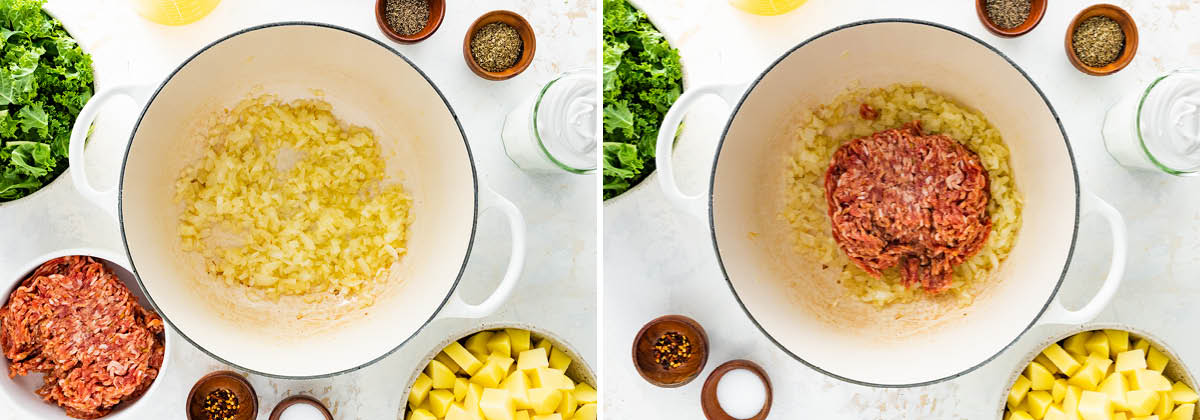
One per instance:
(1098,41)
(1008,14)
(496,46)
(407,17)
(672,350)
(221,404)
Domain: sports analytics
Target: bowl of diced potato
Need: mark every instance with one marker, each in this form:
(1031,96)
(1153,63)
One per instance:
(502,372)
(1101,372)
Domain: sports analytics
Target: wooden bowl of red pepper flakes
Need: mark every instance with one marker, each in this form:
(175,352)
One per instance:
(670,351)
(222,395)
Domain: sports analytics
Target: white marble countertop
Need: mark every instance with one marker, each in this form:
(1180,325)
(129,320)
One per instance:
(658,260)
(557,291)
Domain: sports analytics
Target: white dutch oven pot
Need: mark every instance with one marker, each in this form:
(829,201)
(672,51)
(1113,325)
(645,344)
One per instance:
(796,306)
(20,392)
(368,84)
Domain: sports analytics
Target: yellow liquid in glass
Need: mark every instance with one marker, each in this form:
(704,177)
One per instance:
(174,12)
(767,7)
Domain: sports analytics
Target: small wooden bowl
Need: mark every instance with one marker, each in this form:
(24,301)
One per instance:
(1037,10)
(299,399)
(643,351)
(708,395)
(1127,26)
(247,398)
(528,44)
(437,12)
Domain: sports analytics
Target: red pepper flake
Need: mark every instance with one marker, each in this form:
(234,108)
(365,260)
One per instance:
(221,404)
(672,350)
(867,113)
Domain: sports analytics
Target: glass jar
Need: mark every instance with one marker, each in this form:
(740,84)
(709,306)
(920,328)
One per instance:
(1158,129)
(555,129)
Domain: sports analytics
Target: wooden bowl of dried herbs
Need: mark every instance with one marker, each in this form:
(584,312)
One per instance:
(499,45)
(409,21)
(1010,18)
(1101,40)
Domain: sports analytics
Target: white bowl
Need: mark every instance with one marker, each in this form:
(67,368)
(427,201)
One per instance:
(20,392)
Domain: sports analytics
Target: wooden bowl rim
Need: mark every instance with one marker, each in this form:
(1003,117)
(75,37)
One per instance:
(528,45)
(236,377)
(299,399)
(1037,11)
(435,22)
(708,395)
(1128,26)
(699,351)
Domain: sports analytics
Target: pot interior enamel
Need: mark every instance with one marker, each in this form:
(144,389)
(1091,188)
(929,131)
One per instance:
(800,306)
(368,85)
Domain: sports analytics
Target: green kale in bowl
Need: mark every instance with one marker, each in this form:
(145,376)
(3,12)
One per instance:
(642,78)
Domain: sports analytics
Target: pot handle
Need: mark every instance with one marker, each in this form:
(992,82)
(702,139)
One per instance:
(695,204)
(106,199)
(456,307)
(1059,314)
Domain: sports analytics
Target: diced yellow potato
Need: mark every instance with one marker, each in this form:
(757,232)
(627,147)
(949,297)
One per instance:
(1147,379)
(544,400)
(529,360)
(443,377)
(1156,361)
(1055,413)
(584,393)
(1141,402)
(1023,407)
(588,412)
(1046,363)
(559,360)
(1061,359)
(1076,344)
(471,401)
(460,389)
(1142,345)
(1040,378)
(519,340)
(1020,415)
(1017,394)
(1103,362)
(1088,377)
(568,405)
(477,344)
(1165,405)
(1120,416)
(1070,402)
(1097,344)
(1182,394)
(446,360)
(1095,406)
(424,406)
(551,416)
(500,344)
(425,415)
(490,375)
(545,377)
(1118,342)
(522,415)
(465,360)
(543,344)
(1183,412)
(517,384)
(1059,390)
(420,389)
(440,401)
(504,361)
(1152,417)
(1115,387)
(1131,360)
(1039,401)
(458,412)
(496,404)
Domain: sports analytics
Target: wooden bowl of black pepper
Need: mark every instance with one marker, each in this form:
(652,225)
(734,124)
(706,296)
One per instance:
(1101,40)
(222,395)
(499,45)
(670,351)
(1010,18)
(409,21)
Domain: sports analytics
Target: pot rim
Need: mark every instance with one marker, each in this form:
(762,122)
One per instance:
(494,325)
(445,102)
(750,90)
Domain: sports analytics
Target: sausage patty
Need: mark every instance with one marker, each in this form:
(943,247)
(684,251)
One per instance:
(900,197)
(74,321)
